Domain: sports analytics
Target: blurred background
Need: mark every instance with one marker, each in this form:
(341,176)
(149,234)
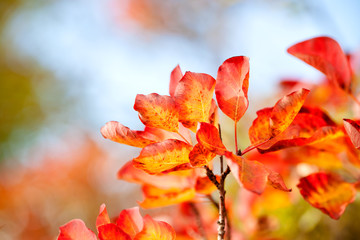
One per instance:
(67,67)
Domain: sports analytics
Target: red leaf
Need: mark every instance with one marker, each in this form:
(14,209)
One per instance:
(159,157)
(326,55)
(175,78)
(130,221)
(208,136)
(155,230)
(327,192)
(103,217)
(254,175)
(193,97)
(117,132)
(112,232)
(157,111)
(353,130)
(231,88)
(75,230)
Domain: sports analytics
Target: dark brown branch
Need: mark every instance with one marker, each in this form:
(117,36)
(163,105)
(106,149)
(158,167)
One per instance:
(212,177)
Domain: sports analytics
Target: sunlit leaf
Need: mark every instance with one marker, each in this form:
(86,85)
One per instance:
(214,114)
(75,230)
(130,221)
(353,130)
(155,230)
(103,217)
(193,97)
(327,192)
(175,78)
(132,174)
(326,55)
(285,110)
(159,157)
(157,197)
(253,175)
(117,132)
(208,136)
(231,88)
(157,111)
(273,121)
(200,156)
(161,135)
(112,232)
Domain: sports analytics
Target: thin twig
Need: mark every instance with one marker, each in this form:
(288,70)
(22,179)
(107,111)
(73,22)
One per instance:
(198,221)
(213,201)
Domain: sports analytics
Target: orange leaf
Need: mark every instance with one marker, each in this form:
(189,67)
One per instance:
(205,186)
(103,217)
(285,111)
(353,130)
(214,114)
(159,157)
(157,111)
(254,175)
(162,135)
(112,232)
(326,55)
(259,132)
(273,121)
(193,97)
(231,88)
(208,136)
(131,174)
(175,78)
(327,192)
(130,221)
(157,197)
(155,230)
(74,230)
(117,132)
(200,156)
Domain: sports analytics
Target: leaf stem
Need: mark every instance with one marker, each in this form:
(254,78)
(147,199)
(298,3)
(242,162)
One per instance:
(221,156)
(222,209)
(236,142)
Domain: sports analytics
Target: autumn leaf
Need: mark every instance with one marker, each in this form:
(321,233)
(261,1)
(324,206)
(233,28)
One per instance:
(112,232)
(160,135)
(285,110)
(117,132)
(193,97)
(130,221)
(208,136)
(273,121)
(155,230)
(157,197)
(326,55)
(75,230)
(200,156)
(253,175)
(205,186)
(353,130)
(157,111)
(327,192)
(231,88)
(131,174)
(175,78)
(103,217)
(159,157)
